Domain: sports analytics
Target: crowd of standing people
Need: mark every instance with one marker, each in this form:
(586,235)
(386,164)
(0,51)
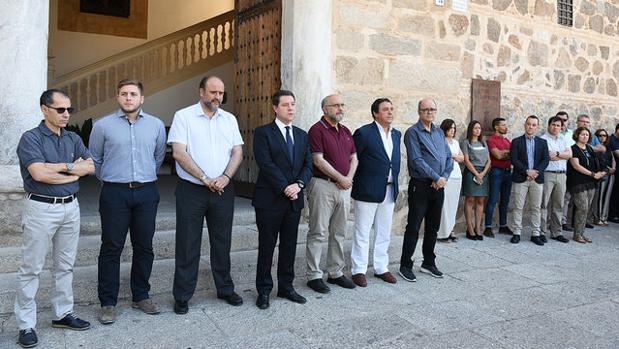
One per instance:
(566,176)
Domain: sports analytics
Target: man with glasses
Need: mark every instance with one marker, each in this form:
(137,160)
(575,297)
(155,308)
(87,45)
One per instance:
(566,132)
(500,177)
(335,162)
(128,147)
(554,181)
(429,165)
(51,161)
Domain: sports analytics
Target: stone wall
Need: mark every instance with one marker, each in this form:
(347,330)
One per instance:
(409,49)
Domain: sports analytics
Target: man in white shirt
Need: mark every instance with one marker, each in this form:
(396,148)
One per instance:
(554,180)
(207,147)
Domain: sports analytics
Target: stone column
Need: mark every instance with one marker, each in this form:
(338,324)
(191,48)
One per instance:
(23,67)
(306,55)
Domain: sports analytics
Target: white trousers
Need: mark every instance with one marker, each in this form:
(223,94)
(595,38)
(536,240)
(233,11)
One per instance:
(43,224)
(450,207)
(379,215)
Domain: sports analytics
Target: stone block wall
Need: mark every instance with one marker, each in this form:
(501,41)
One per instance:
(409,49)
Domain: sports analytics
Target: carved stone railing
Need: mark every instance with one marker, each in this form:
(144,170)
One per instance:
(159,64)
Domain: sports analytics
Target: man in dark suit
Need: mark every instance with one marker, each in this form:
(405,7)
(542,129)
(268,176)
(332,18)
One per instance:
(285,162)
(375,188)
(529,155)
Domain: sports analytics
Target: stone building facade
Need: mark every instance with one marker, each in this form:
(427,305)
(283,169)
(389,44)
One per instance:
(409,49)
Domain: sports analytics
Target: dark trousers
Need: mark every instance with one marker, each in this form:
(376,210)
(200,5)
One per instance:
(125,209)
(424,202)
(613,208)
(500,191)
(272,223)
(193,204)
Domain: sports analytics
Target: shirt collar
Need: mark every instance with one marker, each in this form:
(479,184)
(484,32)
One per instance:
(121,114)
(529,138)
(380,128)
(46,131)
(200,112)
(420,127)
(281,125)
(326,124)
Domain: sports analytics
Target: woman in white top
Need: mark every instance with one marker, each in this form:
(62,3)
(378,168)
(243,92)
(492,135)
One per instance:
(452,189)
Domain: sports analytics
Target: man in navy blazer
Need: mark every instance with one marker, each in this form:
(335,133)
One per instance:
(285,162)
(529,155)
(375,188)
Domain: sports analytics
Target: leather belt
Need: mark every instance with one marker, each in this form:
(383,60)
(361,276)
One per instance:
(326,179)
(558,172)
(131,185)
(51,199)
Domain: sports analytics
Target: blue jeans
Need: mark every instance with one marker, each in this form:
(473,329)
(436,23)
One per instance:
(500,187)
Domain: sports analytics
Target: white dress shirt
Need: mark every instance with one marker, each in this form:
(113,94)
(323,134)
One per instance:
(387,143)
(556,143)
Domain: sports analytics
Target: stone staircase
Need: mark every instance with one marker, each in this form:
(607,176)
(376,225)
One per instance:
(243,255)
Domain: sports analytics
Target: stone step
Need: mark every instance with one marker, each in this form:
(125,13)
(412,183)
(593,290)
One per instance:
(243,273)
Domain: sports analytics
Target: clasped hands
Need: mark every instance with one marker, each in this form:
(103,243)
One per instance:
(217,185)
(532,174)
(440,183)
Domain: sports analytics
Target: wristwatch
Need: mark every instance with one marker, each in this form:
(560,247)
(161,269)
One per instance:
(70,166)
(301,184)
(557,154)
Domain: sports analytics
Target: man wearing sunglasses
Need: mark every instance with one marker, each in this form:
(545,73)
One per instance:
(51,161)
(128,147)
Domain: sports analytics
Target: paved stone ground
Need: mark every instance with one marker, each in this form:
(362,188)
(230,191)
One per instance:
(494,295)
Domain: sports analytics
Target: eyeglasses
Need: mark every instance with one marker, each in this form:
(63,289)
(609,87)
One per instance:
(62,110)
(339,105)
(428,110)
(602,135)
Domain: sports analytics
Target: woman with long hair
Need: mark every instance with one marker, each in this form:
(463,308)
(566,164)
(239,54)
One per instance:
(452,189)
(582,174)
(474,182)
(601,200)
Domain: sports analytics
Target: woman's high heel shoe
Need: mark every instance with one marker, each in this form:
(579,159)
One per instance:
(470,236)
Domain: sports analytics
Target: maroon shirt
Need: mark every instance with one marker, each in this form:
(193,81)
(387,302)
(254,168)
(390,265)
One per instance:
(336,146)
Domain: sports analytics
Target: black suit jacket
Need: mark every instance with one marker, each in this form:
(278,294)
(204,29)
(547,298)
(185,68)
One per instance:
(372,173)
(518,154)
(276,169)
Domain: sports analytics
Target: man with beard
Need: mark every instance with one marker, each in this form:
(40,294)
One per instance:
(335,163)
(207,146)
(500,177)
(128,147)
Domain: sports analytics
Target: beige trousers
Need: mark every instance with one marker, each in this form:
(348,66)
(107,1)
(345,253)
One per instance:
(329,208)
(44,224)
(520,191)
(552,202)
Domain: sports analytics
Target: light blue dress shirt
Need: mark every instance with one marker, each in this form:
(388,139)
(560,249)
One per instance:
(124,152)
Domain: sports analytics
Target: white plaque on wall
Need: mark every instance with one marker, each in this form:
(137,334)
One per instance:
(460,5)
(439,2)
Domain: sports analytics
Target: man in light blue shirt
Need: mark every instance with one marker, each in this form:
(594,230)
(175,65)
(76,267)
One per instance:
(128,147)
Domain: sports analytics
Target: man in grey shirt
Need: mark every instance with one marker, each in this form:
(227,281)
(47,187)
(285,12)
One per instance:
(128,147)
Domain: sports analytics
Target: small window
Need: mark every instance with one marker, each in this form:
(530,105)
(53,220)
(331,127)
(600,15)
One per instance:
(565,12)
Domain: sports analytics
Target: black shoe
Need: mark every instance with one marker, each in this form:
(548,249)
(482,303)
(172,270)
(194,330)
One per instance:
(443,240)
(28,338)
(537,240)
(589,226)
(71,322)
(291,295)
(560,238)
(318,285)
(488,232)
(613,219)
(453,238)
(181,307)
(342,281)
(407,274)
(505,230)
(232,299)
(470,236)
(566,227)
(479,237)
(515,239)
(543,238)
(263,301)
(432,270)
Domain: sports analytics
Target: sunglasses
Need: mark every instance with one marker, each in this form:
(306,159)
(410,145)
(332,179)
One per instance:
(602,135)
(62,110)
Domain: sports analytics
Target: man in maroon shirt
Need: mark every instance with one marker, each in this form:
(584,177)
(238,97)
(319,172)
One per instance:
(500,177)
(335,161)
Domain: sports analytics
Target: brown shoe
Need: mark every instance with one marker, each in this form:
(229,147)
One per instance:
(386,277)
(107,314)
(579,238)
(587,239)
(146,305)
(360,280)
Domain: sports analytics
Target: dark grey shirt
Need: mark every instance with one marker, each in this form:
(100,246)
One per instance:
(125,152)
(42,145)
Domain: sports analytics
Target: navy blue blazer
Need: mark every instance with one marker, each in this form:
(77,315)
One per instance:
(276,169)
(518,155)
(370,180)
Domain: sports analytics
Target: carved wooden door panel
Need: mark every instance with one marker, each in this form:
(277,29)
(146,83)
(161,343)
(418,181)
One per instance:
(257,76)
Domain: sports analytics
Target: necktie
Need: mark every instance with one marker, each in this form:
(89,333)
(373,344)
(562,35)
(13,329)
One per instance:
(289,144)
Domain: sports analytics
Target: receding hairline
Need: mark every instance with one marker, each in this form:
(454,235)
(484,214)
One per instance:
(426,100)
(326,99)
